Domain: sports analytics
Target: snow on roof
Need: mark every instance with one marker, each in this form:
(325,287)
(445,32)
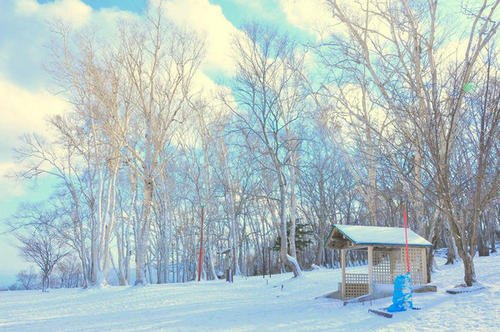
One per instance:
(373,235)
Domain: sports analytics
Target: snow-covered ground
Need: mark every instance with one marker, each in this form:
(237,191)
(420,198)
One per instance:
(254,304)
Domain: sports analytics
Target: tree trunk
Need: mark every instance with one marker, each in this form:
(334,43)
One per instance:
(286,259)
(293,206)
(482,240)
(320,249)
(211,264)
(142,232)
(234,244)
(467,258)
(470,274)
(435,229)
(140,255)
(109,222)
(492,225)
(371,189)
(121,251)
(451,255)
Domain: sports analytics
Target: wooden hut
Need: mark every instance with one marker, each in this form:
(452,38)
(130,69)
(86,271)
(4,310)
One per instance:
(386,258)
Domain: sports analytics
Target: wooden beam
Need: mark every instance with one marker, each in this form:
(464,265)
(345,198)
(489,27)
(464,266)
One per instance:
(342,263)
(370,269)
(392,262)
(381,313)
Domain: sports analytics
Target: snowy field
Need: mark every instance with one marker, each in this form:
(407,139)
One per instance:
(253,304)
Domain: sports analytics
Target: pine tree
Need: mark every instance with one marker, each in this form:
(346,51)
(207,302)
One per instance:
(303,234)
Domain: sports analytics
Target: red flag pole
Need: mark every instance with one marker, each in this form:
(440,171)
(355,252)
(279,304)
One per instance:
(200,258)
(406,239)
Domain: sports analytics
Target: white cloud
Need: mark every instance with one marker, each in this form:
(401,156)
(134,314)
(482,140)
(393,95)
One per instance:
(73,12)
(313,16)
(27,7)
(209,21)
(24,111)
(316,16)
(25,34)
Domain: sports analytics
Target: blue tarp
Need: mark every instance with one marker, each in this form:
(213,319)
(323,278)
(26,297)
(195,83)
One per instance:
(401,298)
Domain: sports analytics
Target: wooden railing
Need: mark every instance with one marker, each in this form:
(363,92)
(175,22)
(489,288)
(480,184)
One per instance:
(356,278)
(356,284)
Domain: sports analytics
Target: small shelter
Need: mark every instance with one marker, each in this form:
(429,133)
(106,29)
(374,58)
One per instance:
(386,249)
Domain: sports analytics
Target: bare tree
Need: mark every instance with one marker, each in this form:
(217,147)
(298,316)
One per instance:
(44,249)
(424,95)
(67,273)
(159,61)
(269,98)
(28,278)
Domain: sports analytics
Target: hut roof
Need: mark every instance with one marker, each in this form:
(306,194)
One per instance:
(358,235)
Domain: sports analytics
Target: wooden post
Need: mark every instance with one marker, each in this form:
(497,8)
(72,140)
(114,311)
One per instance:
(370,269)
(392,262)
(342,263)
(424,266)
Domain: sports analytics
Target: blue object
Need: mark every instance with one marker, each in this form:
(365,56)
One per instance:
(401,298)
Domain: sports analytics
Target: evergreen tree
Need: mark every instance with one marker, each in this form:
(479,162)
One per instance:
(303,234)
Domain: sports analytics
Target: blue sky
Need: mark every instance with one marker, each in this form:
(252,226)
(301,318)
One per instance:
(25,86)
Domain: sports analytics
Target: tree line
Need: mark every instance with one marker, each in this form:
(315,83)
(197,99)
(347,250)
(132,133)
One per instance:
(386,112)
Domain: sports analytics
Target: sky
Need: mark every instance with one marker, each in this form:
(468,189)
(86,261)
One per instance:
(27,95)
